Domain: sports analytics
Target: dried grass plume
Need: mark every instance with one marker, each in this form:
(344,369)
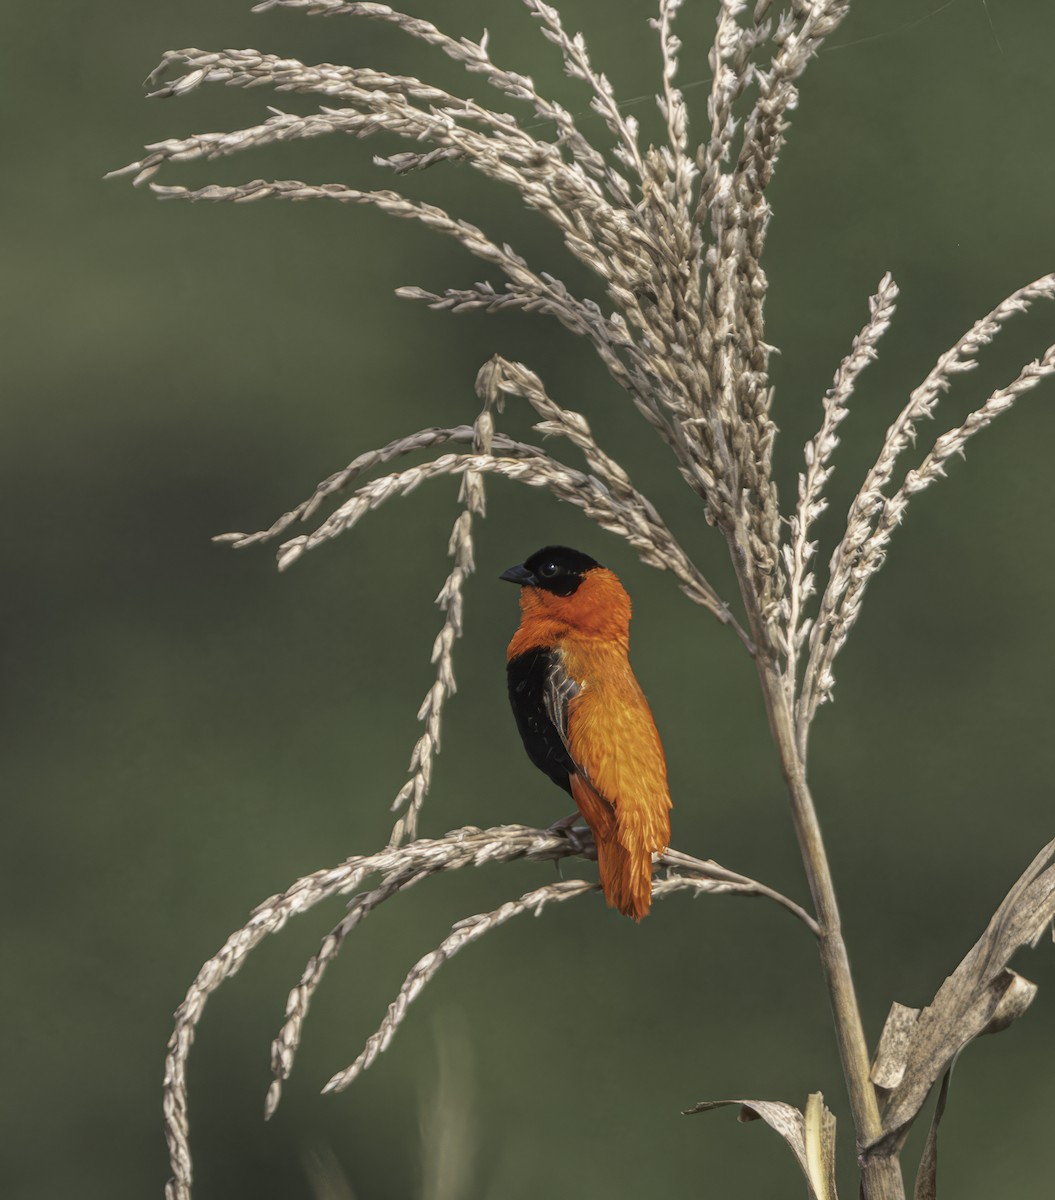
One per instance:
(675,233)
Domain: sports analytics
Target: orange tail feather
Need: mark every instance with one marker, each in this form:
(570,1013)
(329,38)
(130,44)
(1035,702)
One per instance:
(626,874)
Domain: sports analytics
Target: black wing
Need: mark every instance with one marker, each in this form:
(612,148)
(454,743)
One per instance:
(539,691)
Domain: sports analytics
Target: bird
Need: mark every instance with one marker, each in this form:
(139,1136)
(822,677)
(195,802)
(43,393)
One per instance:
(583,717)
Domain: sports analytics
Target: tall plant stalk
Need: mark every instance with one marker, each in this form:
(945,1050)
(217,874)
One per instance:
(881,1175)
(676,235)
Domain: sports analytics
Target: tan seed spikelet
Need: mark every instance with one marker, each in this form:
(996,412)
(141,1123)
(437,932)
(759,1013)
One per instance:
(873,514)
(817,454)
(400,867)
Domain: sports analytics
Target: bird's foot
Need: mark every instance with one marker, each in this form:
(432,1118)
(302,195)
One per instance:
(565,828)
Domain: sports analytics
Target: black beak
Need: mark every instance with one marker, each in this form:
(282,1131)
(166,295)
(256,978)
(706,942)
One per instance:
(519,574)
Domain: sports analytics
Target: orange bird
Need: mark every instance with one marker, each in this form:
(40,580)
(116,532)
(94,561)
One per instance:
(583,718)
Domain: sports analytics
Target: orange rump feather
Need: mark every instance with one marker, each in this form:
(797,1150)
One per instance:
(621,785)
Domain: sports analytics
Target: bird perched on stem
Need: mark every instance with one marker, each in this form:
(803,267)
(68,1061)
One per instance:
(583,718)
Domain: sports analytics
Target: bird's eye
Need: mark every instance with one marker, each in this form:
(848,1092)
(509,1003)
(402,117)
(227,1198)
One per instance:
(548,570)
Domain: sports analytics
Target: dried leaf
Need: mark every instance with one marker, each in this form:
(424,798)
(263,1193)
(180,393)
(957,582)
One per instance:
(981,996)
(1016,999)
(811,1137)
(888,1068)
(927,1177)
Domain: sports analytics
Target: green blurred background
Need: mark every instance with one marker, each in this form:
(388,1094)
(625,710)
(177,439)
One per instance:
(185,731)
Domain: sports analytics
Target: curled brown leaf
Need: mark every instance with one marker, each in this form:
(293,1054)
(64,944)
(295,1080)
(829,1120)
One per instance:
(981,996)
(810,1135)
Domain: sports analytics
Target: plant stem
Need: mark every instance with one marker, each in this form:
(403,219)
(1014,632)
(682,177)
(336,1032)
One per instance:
(880,1174)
